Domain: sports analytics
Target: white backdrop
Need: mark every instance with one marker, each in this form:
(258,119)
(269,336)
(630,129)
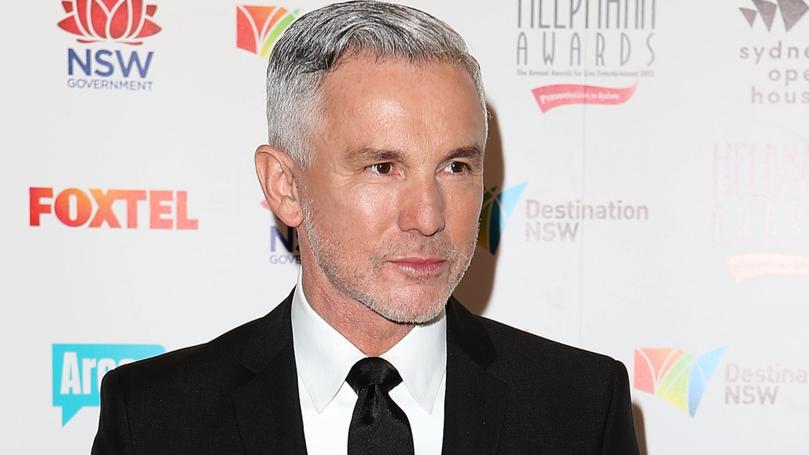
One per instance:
(650,166)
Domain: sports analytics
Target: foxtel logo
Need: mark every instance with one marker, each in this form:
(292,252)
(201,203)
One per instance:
(97,208)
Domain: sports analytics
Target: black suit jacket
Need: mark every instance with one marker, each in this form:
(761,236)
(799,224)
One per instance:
(507,392)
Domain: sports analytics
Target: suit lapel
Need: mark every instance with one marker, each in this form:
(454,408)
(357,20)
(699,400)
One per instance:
(268,408)
(267,405)
(475,400)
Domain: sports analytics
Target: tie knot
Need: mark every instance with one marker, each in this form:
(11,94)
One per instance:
(373,371)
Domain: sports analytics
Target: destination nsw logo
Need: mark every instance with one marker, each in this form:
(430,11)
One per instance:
(562,222)
(79,368)
(779,55)
(496,209)
(675,376)
(764,385)
(109,31)
(113,209)
(259,27)
(609,44)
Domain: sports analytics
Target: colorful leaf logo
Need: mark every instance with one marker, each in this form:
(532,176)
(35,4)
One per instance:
(259,27)
(674,375)
(497,207)
(122,21)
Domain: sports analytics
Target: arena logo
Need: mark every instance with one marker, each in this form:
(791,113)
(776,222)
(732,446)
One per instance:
(284,245)
(79,368)
(761,206)
(259,27)
(791,12)
(675,376)
(109,23)
(778,58)
(611,41)
(98,208)
(554,222)
(496,210)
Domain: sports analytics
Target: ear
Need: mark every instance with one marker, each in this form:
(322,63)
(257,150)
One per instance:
(276,174)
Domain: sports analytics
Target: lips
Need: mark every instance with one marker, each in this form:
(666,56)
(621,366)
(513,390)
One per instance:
(419,266)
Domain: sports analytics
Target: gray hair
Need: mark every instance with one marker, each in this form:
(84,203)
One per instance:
(314,44)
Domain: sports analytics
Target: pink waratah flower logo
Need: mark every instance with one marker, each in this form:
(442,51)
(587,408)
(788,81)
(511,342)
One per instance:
(123,21)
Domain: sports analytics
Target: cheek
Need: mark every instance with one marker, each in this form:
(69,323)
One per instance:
(463,208)
(360,214)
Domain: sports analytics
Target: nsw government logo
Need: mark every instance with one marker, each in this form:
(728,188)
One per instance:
(259,27)
(110,33)
(284,246)
(497,208)
(79,368)
(677,377)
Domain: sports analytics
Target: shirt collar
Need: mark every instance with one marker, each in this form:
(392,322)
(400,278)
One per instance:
(324,357)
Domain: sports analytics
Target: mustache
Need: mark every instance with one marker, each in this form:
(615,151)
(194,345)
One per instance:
(425,247)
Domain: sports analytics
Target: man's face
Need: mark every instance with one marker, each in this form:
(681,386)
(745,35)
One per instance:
(392,196)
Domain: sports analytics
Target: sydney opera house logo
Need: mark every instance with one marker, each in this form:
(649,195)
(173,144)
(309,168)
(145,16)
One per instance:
(674,375)
(259,27)
(791,12)
(497,207)
(120,21)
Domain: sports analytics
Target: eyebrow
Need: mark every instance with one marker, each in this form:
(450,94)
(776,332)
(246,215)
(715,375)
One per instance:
(472,153)
(368,154)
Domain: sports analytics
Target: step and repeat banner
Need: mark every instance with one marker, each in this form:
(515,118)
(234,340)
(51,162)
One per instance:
(647,197)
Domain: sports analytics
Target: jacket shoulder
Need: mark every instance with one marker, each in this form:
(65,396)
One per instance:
(518,348)
(215,364)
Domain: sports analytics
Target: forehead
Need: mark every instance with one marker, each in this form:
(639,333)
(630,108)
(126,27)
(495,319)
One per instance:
(371,102)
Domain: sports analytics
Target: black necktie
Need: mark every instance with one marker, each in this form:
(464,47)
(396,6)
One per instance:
(378,425)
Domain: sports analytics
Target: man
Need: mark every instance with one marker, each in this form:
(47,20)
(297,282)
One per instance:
(377,129)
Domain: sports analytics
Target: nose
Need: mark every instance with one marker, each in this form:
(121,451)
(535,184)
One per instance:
(421,207)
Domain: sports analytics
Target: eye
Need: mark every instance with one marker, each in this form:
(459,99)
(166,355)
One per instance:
(457,167)
(381,168)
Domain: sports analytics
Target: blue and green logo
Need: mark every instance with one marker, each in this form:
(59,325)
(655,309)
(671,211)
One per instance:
(497,207)
(78,369)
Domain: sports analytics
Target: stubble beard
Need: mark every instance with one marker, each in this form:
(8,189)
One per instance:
(354,282)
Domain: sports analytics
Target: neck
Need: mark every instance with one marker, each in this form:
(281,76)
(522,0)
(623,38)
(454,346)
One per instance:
(366,329)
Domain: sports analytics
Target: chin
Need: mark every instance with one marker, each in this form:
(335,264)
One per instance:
(411,306)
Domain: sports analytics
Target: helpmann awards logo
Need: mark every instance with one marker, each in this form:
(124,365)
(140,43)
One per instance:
(610,45)
(497,208)
(109,24)
(675,376)
(761,202)
(259,27)
(79,368)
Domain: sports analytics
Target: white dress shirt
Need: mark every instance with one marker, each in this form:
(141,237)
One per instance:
(324,357)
